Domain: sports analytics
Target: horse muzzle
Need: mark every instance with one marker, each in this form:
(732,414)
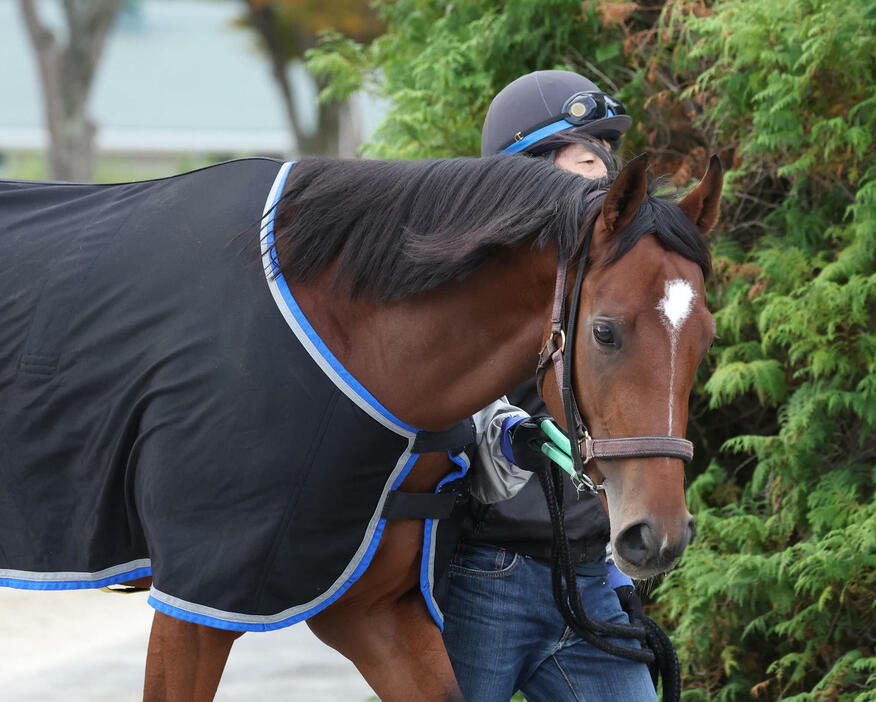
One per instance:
(643,552)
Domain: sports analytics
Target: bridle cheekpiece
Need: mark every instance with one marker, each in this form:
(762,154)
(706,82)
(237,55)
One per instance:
(561,357)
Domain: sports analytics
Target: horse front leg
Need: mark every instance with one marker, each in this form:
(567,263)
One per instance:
(382,625)
(396,648)
(185,661)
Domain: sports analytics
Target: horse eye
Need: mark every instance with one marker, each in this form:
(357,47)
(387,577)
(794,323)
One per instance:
(603,334)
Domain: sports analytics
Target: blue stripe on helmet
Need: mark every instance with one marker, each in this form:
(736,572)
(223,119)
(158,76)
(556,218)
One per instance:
(537,136)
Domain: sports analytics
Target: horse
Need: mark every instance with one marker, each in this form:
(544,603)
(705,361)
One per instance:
(384,301)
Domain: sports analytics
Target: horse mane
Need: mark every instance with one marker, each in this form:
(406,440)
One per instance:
(398,228)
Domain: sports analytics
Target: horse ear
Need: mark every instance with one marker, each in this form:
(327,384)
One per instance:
(701,204)
(626,195)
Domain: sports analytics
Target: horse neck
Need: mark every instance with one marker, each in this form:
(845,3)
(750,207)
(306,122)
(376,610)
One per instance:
(437,357)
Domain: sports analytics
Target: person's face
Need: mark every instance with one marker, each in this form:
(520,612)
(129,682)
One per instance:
(577,158)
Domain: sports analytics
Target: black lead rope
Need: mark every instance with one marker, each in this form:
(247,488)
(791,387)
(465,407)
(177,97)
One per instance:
(657,652)
(657,649)
(666,663)
(566,594)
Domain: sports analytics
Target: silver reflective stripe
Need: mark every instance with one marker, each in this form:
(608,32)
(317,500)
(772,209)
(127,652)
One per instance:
(73,576)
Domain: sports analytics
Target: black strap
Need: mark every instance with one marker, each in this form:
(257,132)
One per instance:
(419,505)
(453,439)
(568,394)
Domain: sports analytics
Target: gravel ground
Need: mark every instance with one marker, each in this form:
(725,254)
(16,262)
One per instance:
(90,646)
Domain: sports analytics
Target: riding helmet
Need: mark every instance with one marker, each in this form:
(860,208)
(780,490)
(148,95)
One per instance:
(529,110)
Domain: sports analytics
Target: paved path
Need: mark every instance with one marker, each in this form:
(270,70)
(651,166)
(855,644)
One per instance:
(90,646)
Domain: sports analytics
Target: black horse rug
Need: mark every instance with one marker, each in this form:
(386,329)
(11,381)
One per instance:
(166,408)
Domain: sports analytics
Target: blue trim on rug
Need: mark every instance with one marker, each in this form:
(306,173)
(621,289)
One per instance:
(425,579)
(315,339)
(21,584)
(364,563)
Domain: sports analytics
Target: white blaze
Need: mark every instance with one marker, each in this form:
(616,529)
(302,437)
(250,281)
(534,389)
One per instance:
(674,309)
(676,303)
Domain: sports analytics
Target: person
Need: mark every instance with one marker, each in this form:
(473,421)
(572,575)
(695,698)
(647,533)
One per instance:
(502,629)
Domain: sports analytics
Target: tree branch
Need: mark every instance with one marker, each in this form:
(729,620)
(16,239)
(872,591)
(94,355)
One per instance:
(99,20)
(264,21)
(89,25)
(67,69)
(40,35)
(46,50)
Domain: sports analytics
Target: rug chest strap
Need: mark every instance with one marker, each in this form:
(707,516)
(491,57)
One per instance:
(419,505)
(432,505)
(454,439)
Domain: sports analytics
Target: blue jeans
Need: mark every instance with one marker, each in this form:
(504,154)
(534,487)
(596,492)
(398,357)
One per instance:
(503,632)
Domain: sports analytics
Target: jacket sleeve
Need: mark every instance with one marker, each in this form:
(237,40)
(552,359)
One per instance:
(494,476)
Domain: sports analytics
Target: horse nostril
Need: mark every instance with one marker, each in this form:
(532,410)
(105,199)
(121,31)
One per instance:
(636,543)
(691,531)
(671,552)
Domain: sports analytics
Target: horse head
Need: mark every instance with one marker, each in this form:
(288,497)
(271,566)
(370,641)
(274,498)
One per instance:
(642,330)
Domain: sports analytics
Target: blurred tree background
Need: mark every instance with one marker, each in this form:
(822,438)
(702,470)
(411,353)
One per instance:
(286,29)
(178,104)
(775,598)
(67,62)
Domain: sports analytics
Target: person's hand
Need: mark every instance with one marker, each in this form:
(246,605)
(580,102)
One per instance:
(665,663)
(527,439)
(536,435)
(630,603)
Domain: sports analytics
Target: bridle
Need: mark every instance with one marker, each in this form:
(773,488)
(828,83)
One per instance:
(560,356)
(657,650)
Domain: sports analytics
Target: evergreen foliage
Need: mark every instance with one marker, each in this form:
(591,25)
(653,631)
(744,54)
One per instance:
(775,598)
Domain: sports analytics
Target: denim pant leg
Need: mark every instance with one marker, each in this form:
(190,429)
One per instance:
(503,632)
(487,630)
(580,672)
